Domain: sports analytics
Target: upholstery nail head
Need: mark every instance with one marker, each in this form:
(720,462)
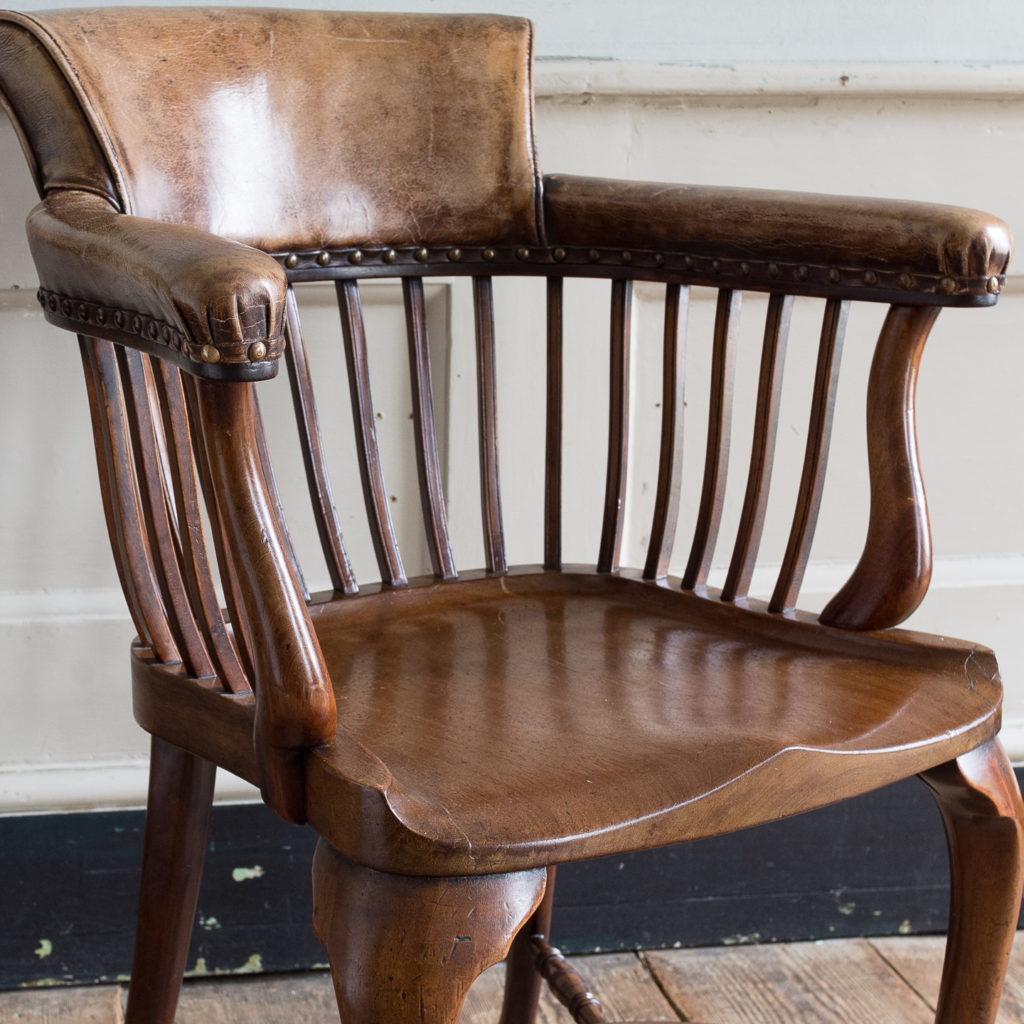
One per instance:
(773,270)
(257,351)
(559,255)
(627,257)
(716,266)
(992,285)
(291,261)
(523,253)
(659,259)
(833,275)
(593,255)
(153,330)
(455,255)
(745,269)
(947,286)
(802,272)
(209,354)
(323,258)
(906,281)
(389,256)
(870,278)
(421,254)
(489,254)
(355,257)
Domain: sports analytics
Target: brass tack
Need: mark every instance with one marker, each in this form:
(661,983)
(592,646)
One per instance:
(323,258)
(870,278)
(523,253)
(947,286)
(489,254)
(559,254)
(257,351)
(627,257)
(355,257)
(773,270)
(65,307)
(209,354)
(659,259)
(716,266)
(421,254)
(455,255)
(802,272)
(833,275)
(101,316)
(291,261)
(906,281)
(136,325)
(593,255)
(154,331)
(688,262)
(389,256)
(745,269)
(118,318)
(992,285)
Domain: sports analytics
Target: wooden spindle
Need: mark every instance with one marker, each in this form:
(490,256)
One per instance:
(325,515)
(894,571)
(428,465)
(762,449)
(194,559)
(812,479)
(670,460)
(553,428)
(490,493)
(375,494)
(716,459)
(154,507)
(120,503)
(566,983)
(618,427)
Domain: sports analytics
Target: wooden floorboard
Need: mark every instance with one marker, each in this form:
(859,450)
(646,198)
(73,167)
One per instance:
(846,981)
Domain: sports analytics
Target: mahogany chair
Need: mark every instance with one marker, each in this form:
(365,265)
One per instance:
(194,165)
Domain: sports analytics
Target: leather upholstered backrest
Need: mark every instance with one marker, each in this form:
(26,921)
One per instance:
(284,129)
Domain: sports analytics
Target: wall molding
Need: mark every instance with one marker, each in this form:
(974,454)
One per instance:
(572,79)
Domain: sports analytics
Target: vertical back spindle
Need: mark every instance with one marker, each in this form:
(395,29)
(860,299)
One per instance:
(618,427)
(553,427)
(716,459)
(324,513)
(428,464)
(812,479)
(375,493)
(670,461)
(762,449)
(494,536)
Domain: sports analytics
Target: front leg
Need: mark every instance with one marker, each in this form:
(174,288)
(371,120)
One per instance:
(404,949)
(981,806)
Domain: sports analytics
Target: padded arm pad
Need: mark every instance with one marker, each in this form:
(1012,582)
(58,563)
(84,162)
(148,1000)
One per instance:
(210,305)
(875,249)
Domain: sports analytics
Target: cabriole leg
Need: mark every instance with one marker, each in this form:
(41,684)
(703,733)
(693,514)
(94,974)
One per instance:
(984,817)
(177,822)
(404,949)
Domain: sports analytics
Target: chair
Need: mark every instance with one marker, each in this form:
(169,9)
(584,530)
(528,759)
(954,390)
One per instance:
(196,164)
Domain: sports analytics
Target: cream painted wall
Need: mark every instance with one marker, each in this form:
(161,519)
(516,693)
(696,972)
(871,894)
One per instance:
(946,132)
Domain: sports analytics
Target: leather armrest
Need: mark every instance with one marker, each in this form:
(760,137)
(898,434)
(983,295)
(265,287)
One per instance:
(875,249)
(213,306)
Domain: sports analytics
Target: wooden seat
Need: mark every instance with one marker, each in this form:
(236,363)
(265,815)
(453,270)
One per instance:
(452,738)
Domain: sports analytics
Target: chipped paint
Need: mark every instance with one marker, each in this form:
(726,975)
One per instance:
(742,940)
(905,928)
(847,908)
(246,874)
(44,949)
(208,923)
(254,965)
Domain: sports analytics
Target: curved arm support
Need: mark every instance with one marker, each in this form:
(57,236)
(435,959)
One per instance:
(894,571)
(212,306)
(880,250)
(295,707)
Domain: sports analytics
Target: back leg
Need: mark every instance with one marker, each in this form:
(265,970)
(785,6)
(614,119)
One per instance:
(522,979)
(177,822)
(981,806)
